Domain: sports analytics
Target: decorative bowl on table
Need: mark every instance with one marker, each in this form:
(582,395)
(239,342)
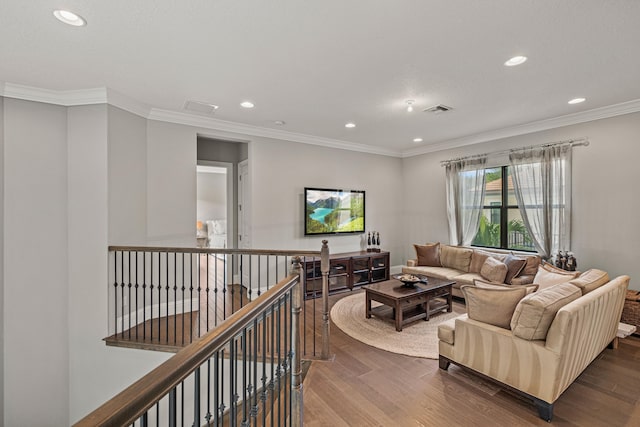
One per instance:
(410,280)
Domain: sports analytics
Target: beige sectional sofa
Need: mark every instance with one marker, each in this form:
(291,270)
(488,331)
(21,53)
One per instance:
(546,338)
(466,265)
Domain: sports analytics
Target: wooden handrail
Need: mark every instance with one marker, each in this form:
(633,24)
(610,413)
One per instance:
(127,406)
(274,252)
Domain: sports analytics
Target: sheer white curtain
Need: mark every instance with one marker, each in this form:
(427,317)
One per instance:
(542,183)
(465,197)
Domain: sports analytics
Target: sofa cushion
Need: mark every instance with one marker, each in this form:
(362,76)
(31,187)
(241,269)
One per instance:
(523,279)
(439,272)
(534,313)
(494,270)
(531,267)
(467,278)
(479,257)
(547,276)
(514,267)
(482,284)
(590,280)
(492,306)
(446,331)
(428,255)
(455,257)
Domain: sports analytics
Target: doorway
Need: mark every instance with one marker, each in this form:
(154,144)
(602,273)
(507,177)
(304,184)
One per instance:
(214,204)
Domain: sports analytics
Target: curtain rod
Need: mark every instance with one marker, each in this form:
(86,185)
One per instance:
(574,142)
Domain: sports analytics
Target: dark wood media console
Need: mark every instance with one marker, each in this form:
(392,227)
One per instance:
(346,271)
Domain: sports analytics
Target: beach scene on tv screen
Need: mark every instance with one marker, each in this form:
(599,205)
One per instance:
(334,211)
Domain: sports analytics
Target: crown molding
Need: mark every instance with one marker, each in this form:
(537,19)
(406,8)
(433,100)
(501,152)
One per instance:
(239,128)
(126,103)
(103,95)
(66,98)
(537,126)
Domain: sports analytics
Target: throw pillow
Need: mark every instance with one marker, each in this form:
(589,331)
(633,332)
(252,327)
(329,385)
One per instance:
(535,313)
(492,306)
(485,285)
(477,260)
(545,277)
(514,267)
(590,280)
(455,257)
(531,267)
(493,270)
(428,255)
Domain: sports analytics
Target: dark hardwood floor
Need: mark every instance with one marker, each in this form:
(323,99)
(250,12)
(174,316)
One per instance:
(364,386)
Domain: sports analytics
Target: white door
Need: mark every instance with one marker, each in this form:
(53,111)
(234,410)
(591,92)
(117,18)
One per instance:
(244,238)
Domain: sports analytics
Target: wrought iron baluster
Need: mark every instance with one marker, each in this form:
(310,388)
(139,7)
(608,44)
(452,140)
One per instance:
(166,302)
(115,293)
(172,408)
(196,397)
(245,383)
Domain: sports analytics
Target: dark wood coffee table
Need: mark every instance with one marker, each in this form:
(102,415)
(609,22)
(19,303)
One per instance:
(403,304)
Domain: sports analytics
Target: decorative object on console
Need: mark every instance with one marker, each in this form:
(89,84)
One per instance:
(566,261)
(373,241)
(410,280)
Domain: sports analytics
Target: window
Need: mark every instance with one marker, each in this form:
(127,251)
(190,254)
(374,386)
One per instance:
(501,225)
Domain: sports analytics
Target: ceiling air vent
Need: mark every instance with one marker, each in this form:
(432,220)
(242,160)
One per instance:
(437,109)
(200,107)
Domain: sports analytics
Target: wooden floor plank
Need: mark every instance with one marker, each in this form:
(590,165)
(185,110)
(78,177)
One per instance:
(365,386)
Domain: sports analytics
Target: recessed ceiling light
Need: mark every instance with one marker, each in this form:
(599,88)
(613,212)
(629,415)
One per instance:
(69,18)
(247,104)
(417,139)
(410,105)
(279,122)
(516,60)
(350,125)
(577,100)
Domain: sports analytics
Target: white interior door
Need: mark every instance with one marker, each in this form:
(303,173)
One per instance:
(244,237)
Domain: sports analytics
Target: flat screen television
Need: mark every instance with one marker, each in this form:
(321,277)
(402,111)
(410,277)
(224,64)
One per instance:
(329,211)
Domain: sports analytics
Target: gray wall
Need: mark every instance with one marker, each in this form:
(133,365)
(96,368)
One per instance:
(127,166)
(279,171)
(2,300)
(222,151)
(212,196)
(605,232)
(35,277)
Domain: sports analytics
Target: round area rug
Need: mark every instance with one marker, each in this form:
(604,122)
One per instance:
(418,339)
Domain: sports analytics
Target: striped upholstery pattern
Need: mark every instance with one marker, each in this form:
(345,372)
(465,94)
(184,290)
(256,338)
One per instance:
(543,369)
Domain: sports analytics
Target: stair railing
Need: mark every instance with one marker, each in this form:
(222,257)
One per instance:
(246,371)
(163,298)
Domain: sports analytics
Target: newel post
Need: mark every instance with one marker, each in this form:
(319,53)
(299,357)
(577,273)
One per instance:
(324,269)
(296,344)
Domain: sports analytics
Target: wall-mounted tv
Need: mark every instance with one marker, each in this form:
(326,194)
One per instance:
(329,211)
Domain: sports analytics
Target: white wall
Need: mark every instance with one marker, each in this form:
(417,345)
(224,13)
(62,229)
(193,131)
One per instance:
(2,261)
(605,232)
(212,196)
(35,295)
(127,167)
(55,281)
(171,184)
(279,171)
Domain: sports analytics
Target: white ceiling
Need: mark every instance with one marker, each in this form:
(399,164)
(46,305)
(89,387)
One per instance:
(319,64)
